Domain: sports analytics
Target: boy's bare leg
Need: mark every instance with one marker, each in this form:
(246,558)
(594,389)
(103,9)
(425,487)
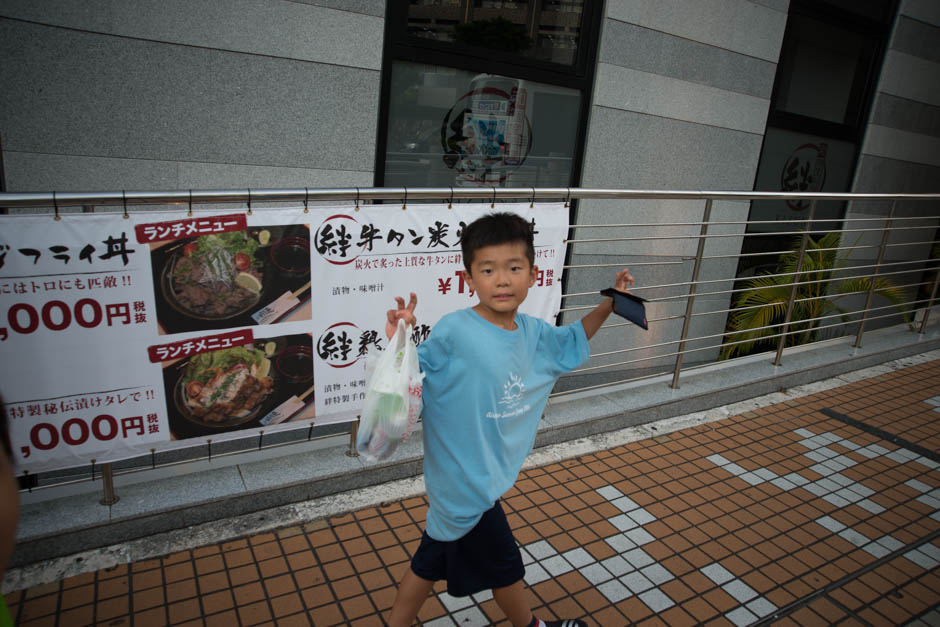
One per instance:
(412,593)
(515,602)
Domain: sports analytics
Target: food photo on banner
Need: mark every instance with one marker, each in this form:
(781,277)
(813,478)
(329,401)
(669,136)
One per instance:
(236,381)
(231,278)
(364,259)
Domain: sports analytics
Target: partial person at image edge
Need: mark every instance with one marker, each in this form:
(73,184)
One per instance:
(9,509)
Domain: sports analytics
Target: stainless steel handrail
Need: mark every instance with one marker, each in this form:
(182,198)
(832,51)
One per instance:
(781,252)
(732,333)
(774,276)
(720,235)
(300,194)
(731,222)
(711,347)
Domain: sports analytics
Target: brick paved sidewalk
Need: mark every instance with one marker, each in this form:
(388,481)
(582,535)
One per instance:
(820,510)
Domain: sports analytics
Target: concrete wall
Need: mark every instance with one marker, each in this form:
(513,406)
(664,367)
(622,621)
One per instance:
(181,94)
(901,149)
(680,102)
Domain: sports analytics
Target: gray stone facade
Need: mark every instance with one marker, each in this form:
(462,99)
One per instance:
(189,94)
(901,149)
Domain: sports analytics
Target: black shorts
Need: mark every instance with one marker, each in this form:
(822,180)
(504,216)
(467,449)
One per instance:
(486,558)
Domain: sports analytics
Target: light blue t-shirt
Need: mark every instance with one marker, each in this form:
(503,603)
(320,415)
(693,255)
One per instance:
(484,392)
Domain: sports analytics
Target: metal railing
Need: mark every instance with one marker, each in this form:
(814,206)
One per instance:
(248,196)
(914,272)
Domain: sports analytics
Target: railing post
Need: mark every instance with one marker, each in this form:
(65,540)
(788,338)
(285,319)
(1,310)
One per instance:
(933,296)
(690,301)
(353,432)
(107,481)
(796,279)
(871,288)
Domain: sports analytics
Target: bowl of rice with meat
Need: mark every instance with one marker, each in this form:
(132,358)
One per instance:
(214,277)
(225,387)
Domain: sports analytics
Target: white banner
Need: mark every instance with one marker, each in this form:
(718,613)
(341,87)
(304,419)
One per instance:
(119,337)
(417,250)
(77,307)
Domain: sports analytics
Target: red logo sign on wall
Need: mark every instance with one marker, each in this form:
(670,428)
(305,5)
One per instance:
(804,171)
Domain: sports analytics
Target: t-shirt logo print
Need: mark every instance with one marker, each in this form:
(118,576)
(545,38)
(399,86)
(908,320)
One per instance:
(513,390)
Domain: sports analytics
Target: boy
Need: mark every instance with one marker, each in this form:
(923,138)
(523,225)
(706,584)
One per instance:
(488,373)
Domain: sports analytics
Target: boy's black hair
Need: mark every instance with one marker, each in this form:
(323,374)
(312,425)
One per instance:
(494,229)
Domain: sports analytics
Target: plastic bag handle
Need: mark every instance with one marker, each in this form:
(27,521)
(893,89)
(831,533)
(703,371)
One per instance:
(401,336)
(409,362)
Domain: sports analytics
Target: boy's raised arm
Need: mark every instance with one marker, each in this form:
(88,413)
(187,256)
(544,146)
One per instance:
(401,313)
(593,321)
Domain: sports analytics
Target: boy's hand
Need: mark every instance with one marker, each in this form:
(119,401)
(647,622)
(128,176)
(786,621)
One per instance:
(624,281)
(401,313)
(593,321)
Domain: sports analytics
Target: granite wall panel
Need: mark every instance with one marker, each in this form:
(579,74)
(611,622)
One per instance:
(736,25)
(910,77)
(92,97)
(46,172)
(777,5)
(880,174)
(368,7)
(642,92)
(906,115)
(927,11)
(916,38)
(638,151)
(277,28)
(884,141)
(655,52)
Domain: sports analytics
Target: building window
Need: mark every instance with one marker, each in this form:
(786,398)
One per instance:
(485,92)
(546,30)
(450,127)
(824,74)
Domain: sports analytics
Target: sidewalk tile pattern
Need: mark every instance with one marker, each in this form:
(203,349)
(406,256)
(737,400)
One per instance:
(783,514)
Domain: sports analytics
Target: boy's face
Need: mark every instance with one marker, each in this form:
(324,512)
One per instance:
(501,277)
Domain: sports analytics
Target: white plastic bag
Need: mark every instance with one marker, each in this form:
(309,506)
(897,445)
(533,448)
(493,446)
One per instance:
(393,397)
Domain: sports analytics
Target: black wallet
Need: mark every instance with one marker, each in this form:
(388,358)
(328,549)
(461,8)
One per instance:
(628,306)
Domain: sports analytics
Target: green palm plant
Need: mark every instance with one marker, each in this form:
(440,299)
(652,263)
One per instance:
(763,303)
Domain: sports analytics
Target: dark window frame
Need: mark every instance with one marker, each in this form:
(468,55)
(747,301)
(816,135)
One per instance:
(861,98)
(398,45)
